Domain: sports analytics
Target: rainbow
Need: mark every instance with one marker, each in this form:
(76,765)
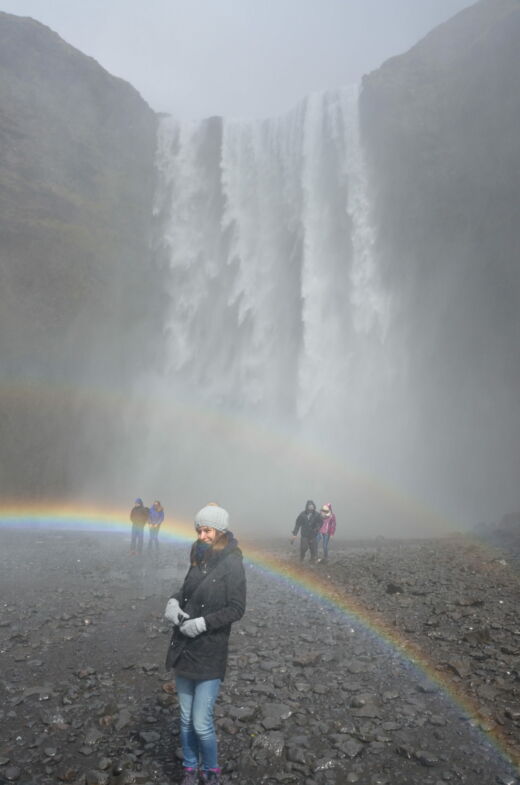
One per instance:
(241,430)
(74,517)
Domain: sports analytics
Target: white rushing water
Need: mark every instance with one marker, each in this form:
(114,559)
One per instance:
(275,300)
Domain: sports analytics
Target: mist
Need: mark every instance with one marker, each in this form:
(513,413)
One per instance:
(275,352)
(196,59)
(316,301)
(255,254)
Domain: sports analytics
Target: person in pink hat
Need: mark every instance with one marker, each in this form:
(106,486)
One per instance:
(327,530)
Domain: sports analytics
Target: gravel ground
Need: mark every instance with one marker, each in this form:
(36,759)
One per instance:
(310,697)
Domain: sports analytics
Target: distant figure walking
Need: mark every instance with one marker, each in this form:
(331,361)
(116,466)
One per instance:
(212,597)
(155,519)
(327,530)
(308,523)
(139,517)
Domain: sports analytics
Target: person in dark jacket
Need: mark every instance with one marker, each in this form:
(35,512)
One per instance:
(139,517)
(212,597)
(308,523)
(155,519)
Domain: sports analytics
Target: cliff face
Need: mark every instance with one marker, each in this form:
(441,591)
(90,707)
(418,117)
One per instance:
(440,126)
(76,187)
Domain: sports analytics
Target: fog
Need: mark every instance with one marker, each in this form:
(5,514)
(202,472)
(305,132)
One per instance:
(276,357)
(292,274)
(198,58)
(272,401)
(281,352)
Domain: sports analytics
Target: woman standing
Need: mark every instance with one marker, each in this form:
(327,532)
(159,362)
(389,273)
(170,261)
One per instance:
(155,519)
(328,528)
(212,597)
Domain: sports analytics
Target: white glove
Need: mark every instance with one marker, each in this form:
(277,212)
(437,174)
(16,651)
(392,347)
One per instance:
(174,613)
(193,627)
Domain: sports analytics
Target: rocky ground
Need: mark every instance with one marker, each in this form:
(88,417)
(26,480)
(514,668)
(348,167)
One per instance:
(311,696)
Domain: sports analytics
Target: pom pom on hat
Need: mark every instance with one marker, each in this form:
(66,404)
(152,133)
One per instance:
(214,516)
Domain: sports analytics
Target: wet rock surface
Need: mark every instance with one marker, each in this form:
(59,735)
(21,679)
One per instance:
(313,695)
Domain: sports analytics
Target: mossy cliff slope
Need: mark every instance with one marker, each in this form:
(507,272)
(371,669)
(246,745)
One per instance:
(76,187)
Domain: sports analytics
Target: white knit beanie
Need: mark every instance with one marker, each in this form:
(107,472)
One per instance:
(214,516)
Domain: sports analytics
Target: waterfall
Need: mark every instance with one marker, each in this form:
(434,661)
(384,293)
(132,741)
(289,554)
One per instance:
(273,284)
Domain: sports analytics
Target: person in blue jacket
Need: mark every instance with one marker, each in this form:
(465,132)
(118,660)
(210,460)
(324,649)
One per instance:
(155,518)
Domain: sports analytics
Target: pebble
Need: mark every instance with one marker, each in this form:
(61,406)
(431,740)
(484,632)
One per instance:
(306,704)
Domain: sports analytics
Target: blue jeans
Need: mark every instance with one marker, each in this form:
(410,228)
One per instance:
(153,538)
(198,738)
(325,542)
(136,545)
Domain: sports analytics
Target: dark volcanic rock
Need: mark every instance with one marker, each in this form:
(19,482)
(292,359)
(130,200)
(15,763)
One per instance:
(357,713)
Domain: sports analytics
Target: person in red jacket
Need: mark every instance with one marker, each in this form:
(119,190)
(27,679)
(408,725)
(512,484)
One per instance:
(327,530)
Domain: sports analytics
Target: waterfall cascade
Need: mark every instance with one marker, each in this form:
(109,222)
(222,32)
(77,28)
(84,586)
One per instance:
(265,227)
(277,313)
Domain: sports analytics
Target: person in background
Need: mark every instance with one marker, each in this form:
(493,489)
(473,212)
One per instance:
(139,517)
(155,518)
(212,597)
(327,530)
(308,523)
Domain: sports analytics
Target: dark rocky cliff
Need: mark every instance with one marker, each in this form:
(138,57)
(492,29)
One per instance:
(441,130)
(76,187)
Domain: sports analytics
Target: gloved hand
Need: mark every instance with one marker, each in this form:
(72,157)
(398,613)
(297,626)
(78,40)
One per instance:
(193,627)
(174,613)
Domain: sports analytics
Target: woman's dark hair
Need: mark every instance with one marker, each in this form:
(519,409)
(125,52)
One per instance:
(222,540)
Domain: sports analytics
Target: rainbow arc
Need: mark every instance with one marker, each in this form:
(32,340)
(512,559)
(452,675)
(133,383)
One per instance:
(73,517)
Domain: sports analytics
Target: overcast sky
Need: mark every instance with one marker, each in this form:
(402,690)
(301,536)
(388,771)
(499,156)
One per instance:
(237,58)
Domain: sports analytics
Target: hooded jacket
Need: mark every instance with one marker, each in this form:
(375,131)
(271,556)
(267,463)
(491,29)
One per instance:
(308,522)
(214,588)
(139,515)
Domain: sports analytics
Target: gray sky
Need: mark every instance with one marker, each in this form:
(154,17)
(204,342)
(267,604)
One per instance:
(237,58)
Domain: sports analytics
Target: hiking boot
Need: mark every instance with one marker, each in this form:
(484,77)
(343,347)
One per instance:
(191,777)
(212,777)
